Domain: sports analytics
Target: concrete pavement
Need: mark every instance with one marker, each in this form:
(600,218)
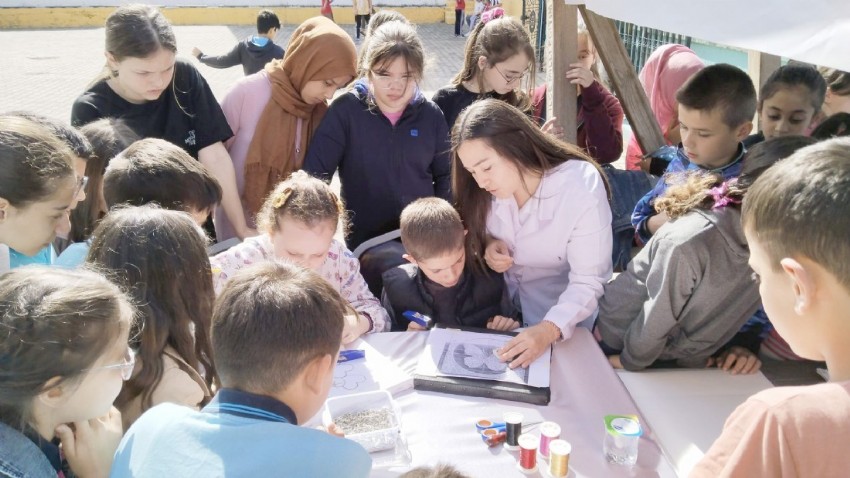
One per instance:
(45,70)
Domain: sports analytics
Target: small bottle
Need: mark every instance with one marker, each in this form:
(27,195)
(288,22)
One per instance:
(621,439)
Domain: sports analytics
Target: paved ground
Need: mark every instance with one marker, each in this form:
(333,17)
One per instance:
(45,70)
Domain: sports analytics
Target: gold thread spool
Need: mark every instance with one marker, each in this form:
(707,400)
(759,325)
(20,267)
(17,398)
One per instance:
(559,458)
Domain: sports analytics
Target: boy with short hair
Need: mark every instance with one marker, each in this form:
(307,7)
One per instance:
(716,108)
(276,333)
(436,283)
(253,52)
(153,171)
(796,223)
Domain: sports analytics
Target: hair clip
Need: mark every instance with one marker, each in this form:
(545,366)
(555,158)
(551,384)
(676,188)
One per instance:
(720,195)
(281,198)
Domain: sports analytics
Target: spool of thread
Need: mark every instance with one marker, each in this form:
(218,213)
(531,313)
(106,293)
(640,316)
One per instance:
(559,458)
(493,437)
(548,431)
(513,427)
(528,453)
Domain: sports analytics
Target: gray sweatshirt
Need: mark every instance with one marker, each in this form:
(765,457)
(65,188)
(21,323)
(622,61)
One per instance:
(684,295)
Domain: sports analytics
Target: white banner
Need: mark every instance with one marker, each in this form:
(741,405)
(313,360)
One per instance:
(814,31)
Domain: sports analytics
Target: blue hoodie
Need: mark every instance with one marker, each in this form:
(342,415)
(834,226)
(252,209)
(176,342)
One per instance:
(382,167)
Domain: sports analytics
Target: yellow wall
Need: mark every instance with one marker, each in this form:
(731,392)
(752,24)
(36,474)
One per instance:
(513,8)
(96,16)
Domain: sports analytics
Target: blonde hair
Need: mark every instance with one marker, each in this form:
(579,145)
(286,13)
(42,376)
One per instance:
(304,198)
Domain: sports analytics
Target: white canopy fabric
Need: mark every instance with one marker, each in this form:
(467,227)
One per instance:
(814,31)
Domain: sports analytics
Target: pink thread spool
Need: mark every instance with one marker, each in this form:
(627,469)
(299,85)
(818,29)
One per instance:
(548,431)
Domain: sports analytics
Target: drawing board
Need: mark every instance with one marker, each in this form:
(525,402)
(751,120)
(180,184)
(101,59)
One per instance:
(468,354)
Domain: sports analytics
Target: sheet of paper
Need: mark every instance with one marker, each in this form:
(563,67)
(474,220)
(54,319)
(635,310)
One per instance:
(461,353)
(375,372)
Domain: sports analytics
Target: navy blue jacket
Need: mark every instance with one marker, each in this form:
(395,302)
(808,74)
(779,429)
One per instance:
(382,167)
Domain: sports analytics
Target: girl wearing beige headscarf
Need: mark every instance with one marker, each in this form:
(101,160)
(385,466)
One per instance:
(274,113)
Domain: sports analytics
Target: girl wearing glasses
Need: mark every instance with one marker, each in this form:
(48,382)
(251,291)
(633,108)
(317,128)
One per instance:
(160,257)
(63,359)
(498,58)
(274,113)
(388,141)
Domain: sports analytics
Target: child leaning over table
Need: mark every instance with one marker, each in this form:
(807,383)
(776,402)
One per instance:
(276,334)
(796,223)
(437,282)
(689,291)
(297,223)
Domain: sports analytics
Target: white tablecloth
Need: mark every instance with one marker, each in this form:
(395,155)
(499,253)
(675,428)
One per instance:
(440,427)
(688,408)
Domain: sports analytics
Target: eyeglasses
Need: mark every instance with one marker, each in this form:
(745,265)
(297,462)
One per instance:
(81,184)
(385,82)
(126,367)
(511,79)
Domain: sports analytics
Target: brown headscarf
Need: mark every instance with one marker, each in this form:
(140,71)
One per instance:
(317,50)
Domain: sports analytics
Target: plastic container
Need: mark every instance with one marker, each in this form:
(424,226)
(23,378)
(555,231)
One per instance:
(622,434)
(373,441)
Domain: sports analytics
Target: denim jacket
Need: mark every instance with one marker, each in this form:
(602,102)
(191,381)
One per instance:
(20,457)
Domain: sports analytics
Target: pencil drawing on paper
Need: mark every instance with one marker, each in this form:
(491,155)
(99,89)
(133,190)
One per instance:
(477,360)
(346,378)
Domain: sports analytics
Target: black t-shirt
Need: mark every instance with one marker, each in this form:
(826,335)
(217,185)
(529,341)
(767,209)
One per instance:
(453,99)
(186,114)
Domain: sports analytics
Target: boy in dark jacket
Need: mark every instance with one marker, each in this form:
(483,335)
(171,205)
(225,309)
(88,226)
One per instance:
(436,283)
(253,52)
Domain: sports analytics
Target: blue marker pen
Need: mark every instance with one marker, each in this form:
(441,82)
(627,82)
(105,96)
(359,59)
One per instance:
(420,319)
(349,355)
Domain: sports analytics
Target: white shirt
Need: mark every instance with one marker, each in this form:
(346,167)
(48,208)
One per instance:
(561,245)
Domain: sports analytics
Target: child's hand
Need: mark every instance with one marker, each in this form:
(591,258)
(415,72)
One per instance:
(334,430)
(553,128)
(355,326)
(498,256)
(530,344)
(90,445)
(413,326)
(615,362)
(499,322)
(736,360)
(246,232)
(579,75)
(196,52)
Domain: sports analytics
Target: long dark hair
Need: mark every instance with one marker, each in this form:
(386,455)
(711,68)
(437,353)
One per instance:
(108,137)
(515,138)
(33,161)
(160,257)
(136,31)
(53,323)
